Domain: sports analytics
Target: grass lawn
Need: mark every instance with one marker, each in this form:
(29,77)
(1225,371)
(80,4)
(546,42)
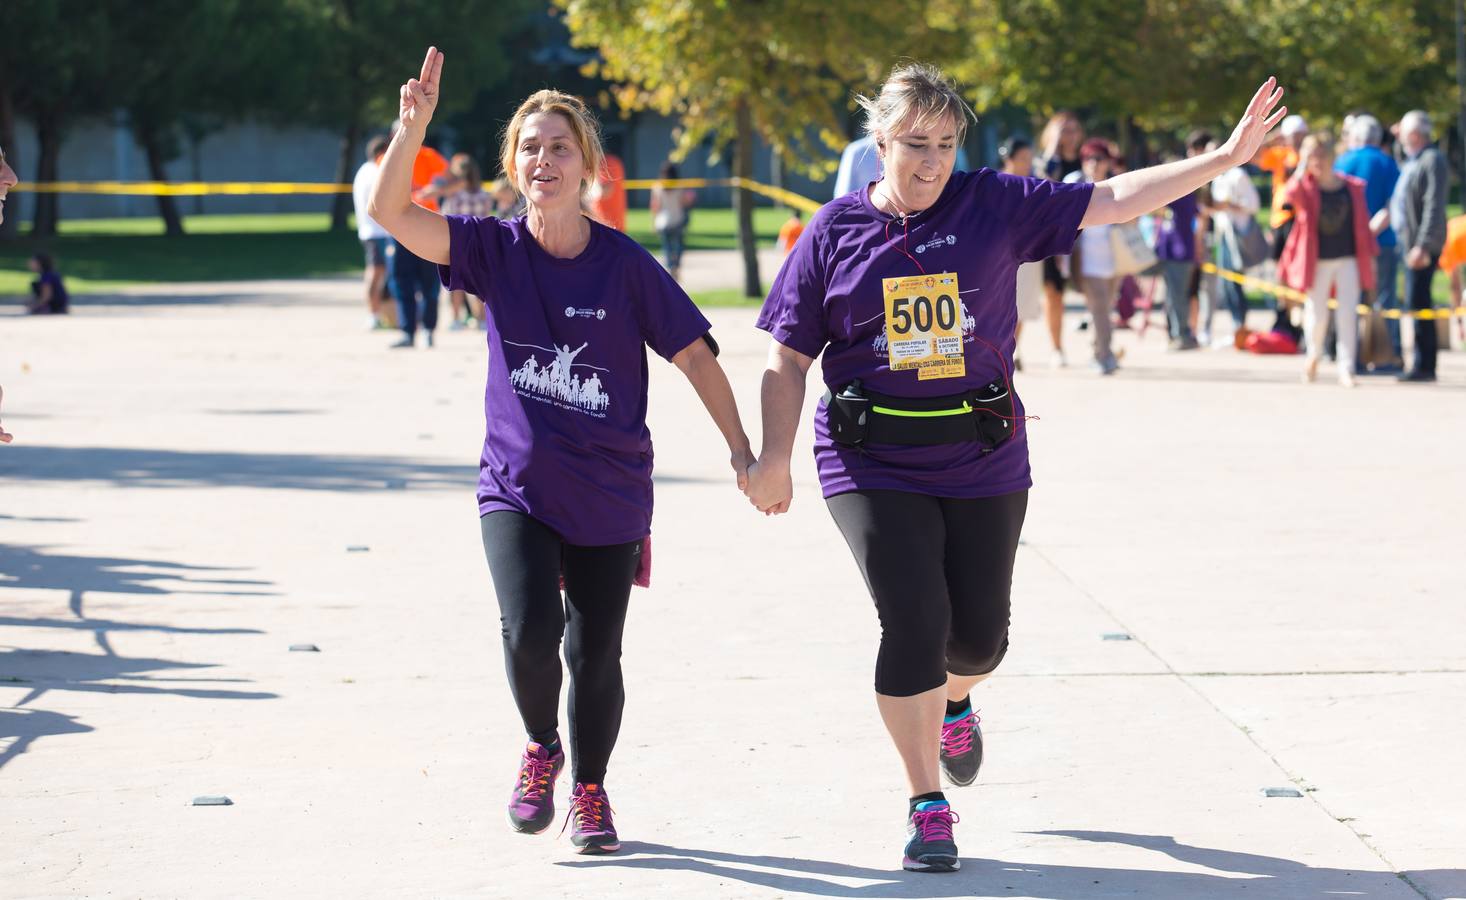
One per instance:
(96,255)
(727,297)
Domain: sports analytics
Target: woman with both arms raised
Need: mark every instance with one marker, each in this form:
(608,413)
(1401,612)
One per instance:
(565,487)
(906,286)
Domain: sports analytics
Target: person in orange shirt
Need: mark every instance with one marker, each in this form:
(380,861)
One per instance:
(608,195)
(1453,258)
(790,231)
(414,280)
(1280,158)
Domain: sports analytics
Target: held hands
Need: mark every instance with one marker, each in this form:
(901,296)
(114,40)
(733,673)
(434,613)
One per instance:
(1417,258)
(1254,125)
(420,94)
(770,487)
(741,460)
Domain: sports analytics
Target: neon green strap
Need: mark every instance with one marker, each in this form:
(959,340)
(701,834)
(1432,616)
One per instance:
(923,413)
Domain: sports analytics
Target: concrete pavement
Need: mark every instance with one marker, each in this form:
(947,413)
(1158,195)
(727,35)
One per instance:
(196,469)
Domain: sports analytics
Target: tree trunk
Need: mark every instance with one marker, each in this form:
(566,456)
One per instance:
(48,139)
(7,143)
(743,201)
(341,203)
(167,206)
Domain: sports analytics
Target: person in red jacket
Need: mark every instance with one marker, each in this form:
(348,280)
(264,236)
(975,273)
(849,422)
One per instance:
(1329,251)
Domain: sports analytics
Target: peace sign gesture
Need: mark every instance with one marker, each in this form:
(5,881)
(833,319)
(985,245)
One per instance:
(420,94)
(1255,123)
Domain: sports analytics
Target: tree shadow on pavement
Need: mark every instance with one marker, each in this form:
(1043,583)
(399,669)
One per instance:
(30,567)
(1239,875)
(42,671)
(131,467)
(19,728)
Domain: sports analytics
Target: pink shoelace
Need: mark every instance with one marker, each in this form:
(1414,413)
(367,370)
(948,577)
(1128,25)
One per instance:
(935,824)
(534,777)
(591,811)
(957,736)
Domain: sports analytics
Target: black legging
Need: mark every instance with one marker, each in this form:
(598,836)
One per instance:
(526,560)
(940,571)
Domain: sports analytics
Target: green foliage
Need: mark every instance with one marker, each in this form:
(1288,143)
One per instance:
(791,62)
(1169,65)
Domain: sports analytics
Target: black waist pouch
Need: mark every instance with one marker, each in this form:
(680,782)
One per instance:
(859,416)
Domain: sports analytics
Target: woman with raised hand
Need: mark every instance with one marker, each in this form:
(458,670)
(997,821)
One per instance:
(907,289)
(565,488)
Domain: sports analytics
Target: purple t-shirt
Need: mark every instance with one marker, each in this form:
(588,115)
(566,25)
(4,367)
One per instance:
(827,298)
(566,440)
(1176,238)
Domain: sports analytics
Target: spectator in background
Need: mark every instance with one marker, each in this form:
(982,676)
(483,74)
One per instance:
(1453,258)
(859,165)
(1418,215)
(790,231)
(48,291)
(1234,204)
(1061,141)
(1279,158)
(414,280)
(1330,250)
(1017,156)
(466,197)
(669,217)
(1094,260)
(507,203)
(608,194)
(1176,248)
(373,237)
(1366,161)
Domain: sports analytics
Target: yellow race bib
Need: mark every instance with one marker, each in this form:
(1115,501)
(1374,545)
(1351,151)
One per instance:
(924,325)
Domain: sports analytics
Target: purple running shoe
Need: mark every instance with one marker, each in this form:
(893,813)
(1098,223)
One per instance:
(590,810)
(532,805)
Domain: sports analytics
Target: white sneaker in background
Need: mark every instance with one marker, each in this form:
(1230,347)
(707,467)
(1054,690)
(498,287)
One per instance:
(1057,360)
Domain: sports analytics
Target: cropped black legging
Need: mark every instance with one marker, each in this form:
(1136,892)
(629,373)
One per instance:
(526,559)
(940,571)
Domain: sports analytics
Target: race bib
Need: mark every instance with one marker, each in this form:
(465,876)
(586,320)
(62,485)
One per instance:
(924,325)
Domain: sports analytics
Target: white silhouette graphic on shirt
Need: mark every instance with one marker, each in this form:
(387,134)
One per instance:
(559,381)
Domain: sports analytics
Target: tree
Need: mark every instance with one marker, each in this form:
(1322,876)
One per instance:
(193,82)
(359,52)
(777,69)
(1166,65)
(52,82)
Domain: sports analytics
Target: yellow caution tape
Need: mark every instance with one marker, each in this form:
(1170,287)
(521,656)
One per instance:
(242,188)
(1297,297)
(181,188)
(788,198)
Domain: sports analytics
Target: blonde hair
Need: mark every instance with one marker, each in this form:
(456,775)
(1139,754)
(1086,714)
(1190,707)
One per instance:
(918,93)
(582,124)
(1320,142)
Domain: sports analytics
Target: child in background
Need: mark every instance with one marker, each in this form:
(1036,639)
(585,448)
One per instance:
(48,292)
(790,231)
